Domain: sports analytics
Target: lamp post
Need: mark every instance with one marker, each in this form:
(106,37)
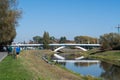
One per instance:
(118,27)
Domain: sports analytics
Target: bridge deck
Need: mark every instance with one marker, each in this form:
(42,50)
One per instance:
(33,45)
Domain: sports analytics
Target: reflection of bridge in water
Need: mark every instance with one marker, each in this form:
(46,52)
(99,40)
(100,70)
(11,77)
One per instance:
(74,61)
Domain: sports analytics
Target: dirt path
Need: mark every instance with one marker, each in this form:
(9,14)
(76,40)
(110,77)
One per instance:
(3,55)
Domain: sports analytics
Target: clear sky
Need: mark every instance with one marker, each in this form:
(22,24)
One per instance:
(68,18)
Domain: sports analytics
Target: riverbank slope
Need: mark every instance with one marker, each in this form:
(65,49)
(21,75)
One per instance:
(43,70)
(112,56)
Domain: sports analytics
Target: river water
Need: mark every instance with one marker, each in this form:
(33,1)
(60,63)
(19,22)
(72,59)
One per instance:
(104,70)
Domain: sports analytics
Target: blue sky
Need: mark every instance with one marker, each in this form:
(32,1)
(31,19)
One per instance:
(68,18)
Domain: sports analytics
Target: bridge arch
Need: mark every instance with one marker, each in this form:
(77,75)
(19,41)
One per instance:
(81,48)
(61,47)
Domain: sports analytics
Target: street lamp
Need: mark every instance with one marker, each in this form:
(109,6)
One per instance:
(118,27)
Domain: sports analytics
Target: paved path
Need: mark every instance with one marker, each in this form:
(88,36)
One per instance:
(3,55)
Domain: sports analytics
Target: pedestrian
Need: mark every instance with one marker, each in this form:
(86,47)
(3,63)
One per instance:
(10,50)
(17,51)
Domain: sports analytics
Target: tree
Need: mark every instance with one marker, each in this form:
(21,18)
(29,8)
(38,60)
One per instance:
(85,40)
(31,42)
(63,40)
(38,39)
(46,40)
(9,15)
(52,39)
(110,41)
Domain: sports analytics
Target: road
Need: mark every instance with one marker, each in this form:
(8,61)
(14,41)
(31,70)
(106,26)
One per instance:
(3,55)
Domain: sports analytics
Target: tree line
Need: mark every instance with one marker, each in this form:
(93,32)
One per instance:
(63,39)
(109,41)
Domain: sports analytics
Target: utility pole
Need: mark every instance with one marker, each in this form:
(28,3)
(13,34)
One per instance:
(118,27)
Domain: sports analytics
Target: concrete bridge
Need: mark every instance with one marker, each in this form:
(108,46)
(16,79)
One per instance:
(37,45)
(59,46)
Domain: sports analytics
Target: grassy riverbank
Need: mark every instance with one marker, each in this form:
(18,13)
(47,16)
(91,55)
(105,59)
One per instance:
(12,69)
(112,57)
(30,66)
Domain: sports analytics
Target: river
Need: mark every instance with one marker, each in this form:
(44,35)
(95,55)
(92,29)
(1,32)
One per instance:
(104,70)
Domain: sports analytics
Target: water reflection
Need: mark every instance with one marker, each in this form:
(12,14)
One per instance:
(83,64)
(112,72)
(103,69)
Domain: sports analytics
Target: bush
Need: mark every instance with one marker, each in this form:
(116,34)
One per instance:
(110,41)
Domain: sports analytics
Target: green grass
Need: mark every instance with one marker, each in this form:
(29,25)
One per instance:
(108,56)
(12,69)
(112,55)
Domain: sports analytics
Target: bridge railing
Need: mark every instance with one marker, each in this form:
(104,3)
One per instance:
(32,45)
